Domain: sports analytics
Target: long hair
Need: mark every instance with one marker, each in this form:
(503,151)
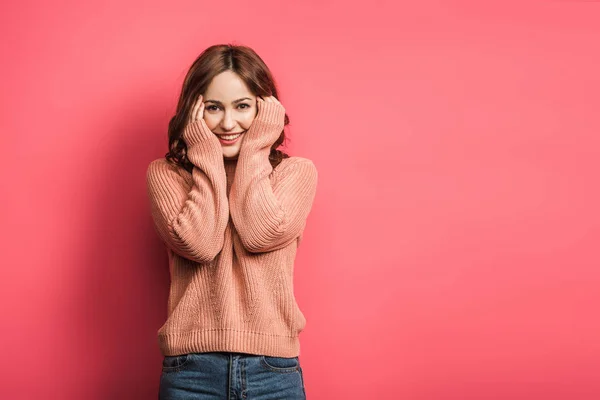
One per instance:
(211,62)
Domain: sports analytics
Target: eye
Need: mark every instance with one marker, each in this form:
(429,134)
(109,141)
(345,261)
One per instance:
(209,108)
(244,104)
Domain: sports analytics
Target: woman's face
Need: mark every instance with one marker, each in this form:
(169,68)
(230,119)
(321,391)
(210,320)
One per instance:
(229,108)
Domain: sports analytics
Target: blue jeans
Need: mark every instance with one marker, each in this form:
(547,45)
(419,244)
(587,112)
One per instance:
(229,376)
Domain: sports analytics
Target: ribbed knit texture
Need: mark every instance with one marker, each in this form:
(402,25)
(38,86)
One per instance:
(232,278)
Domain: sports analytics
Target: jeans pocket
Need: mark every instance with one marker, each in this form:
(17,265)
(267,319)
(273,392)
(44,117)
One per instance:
(280,364)
(175,363)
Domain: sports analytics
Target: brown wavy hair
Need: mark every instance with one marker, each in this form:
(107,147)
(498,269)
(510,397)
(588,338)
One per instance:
(211,62)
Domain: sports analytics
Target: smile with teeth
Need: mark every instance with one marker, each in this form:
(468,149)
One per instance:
(230,137)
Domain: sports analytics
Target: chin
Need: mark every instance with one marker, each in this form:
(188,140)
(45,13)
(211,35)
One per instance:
(231,156)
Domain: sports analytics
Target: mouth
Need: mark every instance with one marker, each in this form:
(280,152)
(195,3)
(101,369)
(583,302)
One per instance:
(229,138)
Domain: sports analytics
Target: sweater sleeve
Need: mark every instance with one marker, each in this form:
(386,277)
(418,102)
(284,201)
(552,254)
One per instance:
(191,218)
(268,216)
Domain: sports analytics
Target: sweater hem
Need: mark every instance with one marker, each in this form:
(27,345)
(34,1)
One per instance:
(229,340)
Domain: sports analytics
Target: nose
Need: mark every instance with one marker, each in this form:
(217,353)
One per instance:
(227,123)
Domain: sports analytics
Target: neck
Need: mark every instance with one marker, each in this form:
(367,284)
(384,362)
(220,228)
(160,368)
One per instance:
(230,165)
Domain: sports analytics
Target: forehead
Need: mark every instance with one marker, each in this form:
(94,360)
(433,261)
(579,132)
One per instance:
(227,86)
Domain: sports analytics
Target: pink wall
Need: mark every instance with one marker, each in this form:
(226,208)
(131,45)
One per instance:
(453,249)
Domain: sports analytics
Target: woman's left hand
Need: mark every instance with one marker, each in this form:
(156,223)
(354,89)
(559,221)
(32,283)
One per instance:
(268,123)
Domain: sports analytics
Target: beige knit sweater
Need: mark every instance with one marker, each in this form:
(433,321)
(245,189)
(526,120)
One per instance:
(232,278)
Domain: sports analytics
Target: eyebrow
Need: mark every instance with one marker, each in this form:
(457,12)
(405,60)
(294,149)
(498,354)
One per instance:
(233,102)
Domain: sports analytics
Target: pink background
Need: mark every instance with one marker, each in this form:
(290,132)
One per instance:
(453,248)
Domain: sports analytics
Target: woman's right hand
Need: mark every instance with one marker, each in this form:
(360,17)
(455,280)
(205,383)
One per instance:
(196,129)
(197,111)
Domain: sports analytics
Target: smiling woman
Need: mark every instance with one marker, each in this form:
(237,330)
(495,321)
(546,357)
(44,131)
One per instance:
(231,210)
(229,78)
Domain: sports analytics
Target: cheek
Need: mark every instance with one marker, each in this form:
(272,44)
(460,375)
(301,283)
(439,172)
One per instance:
(210,122)
(248,120)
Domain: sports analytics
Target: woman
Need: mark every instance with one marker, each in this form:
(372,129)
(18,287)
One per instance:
(231,210)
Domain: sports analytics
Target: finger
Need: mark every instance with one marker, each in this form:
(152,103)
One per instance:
(199,105)
(192,117)
(200,108)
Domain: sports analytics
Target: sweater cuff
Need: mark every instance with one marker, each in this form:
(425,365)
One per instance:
(266,128)
(271,113)
(196,132)
(200,140)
